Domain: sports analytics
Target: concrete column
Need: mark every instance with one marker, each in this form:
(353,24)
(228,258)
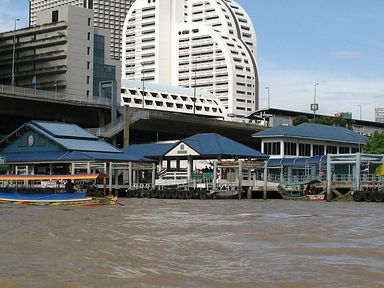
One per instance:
(190,169)
(153,176)
(110,178)
(214,184)
(126,126)
(130,175)
(265,192)
(358,171)
(329,178)
(240,177)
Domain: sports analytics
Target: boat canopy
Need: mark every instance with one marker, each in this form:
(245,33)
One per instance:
(52,177)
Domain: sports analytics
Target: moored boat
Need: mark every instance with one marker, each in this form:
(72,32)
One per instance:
(50,190)
(302,191)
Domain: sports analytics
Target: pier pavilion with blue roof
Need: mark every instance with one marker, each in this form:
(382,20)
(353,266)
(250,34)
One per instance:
(219,152)
(41,147)
(297,151)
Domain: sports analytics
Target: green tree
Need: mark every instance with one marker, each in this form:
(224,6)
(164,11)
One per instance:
(375,145)
(331,121)
(299,120)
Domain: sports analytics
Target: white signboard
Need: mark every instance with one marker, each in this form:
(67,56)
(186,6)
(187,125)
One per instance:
(182,150)
(2,159)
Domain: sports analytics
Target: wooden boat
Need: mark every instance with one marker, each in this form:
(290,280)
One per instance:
(302,191)
(49,190)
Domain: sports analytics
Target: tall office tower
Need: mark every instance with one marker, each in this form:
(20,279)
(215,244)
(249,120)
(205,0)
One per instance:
(107,15)
(379,115)
(209,44)
(63,52)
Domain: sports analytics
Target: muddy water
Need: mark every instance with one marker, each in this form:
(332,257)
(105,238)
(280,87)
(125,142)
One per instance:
(175,243)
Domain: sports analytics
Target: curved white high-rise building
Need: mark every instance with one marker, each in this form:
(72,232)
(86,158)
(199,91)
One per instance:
(209,44)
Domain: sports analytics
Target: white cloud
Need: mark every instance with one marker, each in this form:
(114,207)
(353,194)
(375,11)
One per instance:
(294,90)
(345,54)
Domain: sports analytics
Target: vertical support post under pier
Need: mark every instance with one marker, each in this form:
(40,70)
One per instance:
(329,178)
(153,176)
(110,178)
(214,184)
(240,175)
(265,196)
(130,175)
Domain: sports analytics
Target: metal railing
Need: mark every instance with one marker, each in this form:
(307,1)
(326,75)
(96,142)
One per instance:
(54,96)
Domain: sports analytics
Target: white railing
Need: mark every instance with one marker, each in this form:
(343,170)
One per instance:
(53,96)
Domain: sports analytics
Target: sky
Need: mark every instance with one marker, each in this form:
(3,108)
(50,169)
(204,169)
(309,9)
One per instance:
(336,43)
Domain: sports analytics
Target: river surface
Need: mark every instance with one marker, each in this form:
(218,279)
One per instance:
(193,243)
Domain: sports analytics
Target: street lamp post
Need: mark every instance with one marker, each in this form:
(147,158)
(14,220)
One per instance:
(315,106)
(13,55)
(269,96)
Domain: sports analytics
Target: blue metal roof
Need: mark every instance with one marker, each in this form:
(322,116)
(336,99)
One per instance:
(317,159)
(57,129)
(152,150)
(207,145)
(297,162)
(212,144)
(76,140)
(313,131)
(278,162)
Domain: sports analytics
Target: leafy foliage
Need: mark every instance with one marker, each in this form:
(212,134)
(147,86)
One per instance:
(331,121)
(375,145)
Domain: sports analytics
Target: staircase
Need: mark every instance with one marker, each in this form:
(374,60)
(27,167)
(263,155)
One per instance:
(115,127)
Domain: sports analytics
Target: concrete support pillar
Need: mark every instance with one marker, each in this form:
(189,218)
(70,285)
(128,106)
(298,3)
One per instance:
(358,171)
(130,175)
(249,192)
(126,126)
(329,178)
(178,164)
(265,192)
(110,178)
(214,184)
(190,169)
(153,176)
(240,177)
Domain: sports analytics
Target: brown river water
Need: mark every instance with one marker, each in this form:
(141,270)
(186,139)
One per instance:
(193,243)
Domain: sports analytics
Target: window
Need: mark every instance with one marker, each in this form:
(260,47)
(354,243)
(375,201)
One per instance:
(331,149)
(304,149)
(344,150)
(88,50)
(55,16)
(290,148)
(318,150)
(89,21)
(89,36)
(272,148)
(88,65)
(88,79)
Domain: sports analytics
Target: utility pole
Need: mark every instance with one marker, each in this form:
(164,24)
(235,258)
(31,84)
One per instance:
(13,55)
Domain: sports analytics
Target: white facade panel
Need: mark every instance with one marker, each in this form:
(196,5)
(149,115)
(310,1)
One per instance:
(208,44)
